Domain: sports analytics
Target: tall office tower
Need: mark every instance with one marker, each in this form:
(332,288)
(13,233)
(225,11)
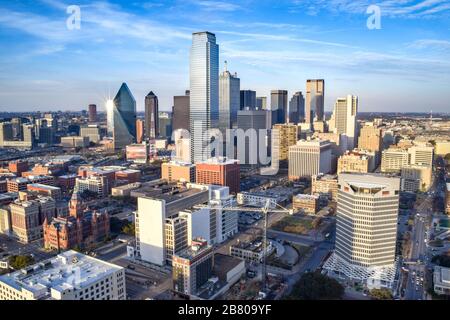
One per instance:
(283,136)
(315,100)
(6,132)
(422,155)
(309,158)
(366,229)
(257,120)
(181,112)
(220,172)
(109,118)
(165,124)
(248,100)
(151,116)
(204,92)
(17,128)
(28,134)
(229,100)
(139,130)
(279,106)
(124,118)
(92,113)
(297,108)
(343,120)
(370,138)
(261,103)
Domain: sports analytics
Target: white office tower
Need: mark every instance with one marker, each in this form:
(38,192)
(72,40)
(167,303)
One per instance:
(421,155)
(229,100)
(309,158)
(366,229)
(204,92)
(343,121)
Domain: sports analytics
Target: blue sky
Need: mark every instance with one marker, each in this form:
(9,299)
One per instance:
(405,66)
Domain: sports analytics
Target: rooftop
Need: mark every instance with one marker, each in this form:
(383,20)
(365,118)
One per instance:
(68,270)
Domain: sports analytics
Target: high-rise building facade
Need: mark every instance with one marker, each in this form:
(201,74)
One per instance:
(151,116)
(219,171)
(421,155)
(370,138)
(261,103)
(139,130)
(204,92)
(279,106)
(124,118)
(367,215)
(283,136)
(247,100)
(92,113)
(393,160)
(309,158)
(297,108)
(229,101)
(315,100)
(343,120)
(181,112)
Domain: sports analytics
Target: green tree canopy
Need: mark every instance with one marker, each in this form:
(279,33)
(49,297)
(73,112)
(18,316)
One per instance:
(316,286)
(20,262)
(381,294)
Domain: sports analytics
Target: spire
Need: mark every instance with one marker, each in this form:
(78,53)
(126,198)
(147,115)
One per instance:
(226,66)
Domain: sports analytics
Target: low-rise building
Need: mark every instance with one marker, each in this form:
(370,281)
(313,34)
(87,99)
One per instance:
(175,171)
(325,185)
(68,276)
(308,204)
(441,280)
(252,251)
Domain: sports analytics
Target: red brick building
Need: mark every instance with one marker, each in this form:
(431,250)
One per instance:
(17,167)
(219,171)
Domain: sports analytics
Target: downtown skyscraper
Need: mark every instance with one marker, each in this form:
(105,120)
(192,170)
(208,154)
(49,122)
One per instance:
(344,121)
(229,97)
(297,108)
(151,116)
(124,118)
(315,99)
(204,92)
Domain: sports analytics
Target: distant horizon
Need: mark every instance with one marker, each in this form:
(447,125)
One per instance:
(271,45)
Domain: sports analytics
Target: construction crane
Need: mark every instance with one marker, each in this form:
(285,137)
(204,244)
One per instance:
(265,211)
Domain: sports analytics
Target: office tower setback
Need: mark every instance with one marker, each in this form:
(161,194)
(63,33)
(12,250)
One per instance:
(343,120)
(124,118)
(181,112)
(229,101)
(92,113)
(151,116)
(315,100)
(297,108)
(139,130)
(279,106)
(309,158)
(366,229)
(247,100)
(204,92)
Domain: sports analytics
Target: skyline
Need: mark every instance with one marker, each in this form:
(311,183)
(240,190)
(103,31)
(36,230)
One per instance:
(146,45)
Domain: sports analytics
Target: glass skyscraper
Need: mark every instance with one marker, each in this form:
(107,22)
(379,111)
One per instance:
(204,91)
(124,118)
(229,97)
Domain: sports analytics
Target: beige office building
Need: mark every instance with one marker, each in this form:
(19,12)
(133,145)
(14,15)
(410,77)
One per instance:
(370,138)
(416,178)
(283,136)
(353,163)
(325,184)
(308,158)
(421,155)
(393,160)
(175,171)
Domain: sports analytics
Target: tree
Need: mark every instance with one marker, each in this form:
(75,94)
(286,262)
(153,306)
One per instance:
(316,286)
(442,260)
(381,294)
(447,157)
(20,262)
(129,229)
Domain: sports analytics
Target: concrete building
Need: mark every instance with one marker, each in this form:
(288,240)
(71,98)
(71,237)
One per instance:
(175,171)
(305,203)
(138,153)
(283,136)
(441,280)
(415,178)
(183,150)
(261,103)
(97,184)
(315,99)
(92,132)
(421,155)
(353,162)
(45,190)
(394,159)
(219,171)
(442,147)
(140,131)
(92,113)
(325,185)
(297,108)
(181,112)
(75,142)
(192,267)
(68,276)
(247,100)
(370,138)
(309,158)
(366,229)
(343,121)
(17,167)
